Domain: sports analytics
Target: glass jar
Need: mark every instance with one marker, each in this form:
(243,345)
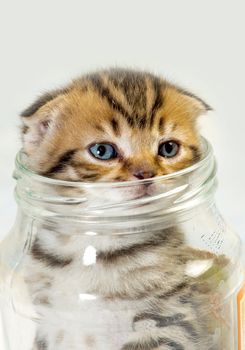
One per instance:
(140,265)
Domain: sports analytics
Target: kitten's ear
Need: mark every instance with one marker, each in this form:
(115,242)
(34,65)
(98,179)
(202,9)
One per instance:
(182,104)
(40,120)
(195,104)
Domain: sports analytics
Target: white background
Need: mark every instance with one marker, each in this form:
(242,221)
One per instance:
(199,44)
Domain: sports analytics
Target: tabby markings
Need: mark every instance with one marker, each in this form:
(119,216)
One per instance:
(50,259)
(196,152)
(41,344)
(157,103)
(105,93)
(153,344)
(63,161)
(115,127)
(111,256)
(166,321)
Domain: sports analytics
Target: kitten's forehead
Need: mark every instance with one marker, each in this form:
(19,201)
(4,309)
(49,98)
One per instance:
(108,114)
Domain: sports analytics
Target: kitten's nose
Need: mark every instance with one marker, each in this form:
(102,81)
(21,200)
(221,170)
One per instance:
(144,174)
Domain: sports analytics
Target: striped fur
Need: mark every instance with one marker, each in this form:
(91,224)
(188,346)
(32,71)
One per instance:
(134,111)
(143,298)
(136,291)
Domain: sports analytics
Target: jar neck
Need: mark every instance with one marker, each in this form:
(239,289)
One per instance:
(111,206)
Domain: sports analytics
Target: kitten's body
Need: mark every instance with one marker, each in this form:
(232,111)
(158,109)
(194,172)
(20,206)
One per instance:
(135,294)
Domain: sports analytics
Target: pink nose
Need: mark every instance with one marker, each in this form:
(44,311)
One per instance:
(143,174)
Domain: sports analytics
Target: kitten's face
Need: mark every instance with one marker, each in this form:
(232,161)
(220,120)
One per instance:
(113,126)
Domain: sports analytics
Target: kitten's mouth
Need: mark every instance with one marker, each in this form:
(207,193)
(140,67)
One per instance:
(144,190)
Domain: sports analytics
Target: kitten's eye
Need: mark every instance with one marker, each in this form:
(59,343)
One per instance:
(103,151)
(168,149)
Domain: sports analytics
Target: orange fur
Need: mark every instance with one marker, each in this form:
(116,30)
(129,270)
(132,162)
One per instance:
(84,112)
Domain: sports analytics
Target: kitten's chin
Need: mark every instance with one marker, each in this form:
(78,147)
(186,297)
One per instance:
(136,192)
(120,195)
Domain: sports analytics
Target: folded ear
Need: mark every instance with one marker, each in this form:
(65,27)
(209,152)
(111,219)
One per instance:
(198,106)
(40,119)
(195,105)
(183,104)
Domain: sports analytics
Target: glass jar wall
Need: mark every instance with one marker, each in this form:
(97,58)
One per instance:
(146,264)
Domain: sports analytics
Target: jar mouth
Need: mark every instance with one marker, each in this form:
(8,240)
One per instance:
(161,199)
(21,168)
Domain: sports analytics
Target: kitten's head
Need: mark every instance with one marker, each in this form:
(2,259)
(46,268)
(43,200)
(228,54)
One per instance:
(114,125)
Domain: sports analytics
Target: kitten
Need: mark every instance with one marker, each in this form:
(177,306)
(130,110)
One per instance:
(115,125)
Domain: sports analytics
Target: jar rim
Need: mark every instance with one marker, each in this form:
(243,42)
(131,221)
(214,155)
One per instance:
(207,154)
(168,198)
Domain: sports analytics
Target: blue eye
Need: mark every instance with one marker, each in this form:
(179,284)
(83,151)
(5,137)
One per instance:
(168,149)
(103,151)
